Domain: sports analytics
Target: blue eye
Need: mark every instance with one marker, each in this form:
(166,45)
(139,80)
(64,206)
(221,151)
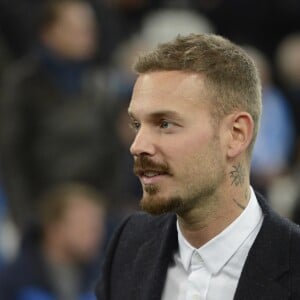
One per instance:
(135,125)
(164,124)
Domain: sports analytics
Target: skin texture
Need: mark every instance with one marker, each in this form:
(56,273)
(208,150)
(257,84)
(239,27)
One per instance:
(186,161)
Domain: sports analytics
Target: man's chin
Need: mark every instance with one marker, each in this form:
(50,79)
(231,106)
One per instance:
(156,205)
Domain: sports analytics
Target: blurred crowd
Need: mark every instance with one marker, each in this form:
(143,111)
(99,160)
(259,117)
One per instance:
(65,82)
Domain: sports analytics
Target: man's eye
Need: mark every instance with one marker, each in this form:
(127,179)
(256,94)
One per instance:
(135,125)
(164,124)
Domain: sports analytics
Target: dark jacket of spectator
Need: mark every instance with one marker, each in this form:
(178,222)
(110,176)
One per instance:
(55,126)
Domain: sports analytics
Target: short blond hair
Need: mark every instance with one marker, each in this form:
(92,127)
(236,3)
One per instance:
(231,77)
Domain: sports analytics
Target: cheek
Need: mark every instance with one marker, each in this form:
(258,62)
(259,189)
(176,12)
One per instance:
(199,157)
(183,161)
(187,148)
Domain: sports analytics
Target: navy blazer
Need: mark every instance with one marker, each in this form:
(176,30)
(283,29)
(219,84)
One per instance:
(142,249)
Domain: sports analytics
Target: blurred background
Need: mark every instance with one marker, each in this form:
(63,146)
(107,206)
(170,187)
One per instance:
(65,83)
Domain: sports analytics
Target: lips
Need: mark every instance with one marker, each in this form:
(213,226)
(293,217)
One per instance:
(151,177)
(148,170)
(149,173)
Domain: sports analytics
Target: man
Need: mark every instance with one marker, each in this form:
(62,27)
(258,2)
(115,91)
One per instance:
(195,108)
(57,260)
(53,115)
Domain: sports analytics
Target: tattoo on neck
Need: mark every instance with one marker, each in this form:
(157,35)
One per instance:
(237,175)
(239,204)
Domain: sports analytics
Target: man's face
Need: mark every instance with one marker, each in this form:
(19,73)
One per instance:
(177,150)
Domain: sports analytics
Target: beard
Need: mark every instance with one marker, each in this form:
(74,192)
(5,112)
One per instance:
(150,201)
(157,205)
(154,204)
(179,202)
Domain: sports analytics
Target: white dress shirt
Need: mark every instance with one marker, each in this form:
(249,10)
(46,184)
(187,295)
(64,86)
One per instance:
(212,272)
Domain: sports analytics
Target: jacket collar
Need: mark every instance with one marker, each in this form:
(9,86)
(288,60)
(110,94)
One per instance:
(268,260)
(153,258)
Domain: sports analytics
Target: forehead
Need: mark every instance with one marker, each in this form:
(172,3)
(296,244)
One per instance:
(167,90)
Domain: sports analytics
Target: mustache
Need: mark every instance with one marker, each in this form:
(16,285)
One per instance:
(144,163)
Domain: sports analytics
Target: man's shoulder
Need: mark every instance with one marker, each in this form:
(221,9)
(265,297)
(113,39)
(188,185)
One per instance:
(295,236)
(136,231)
(139,229)
(139,242)
(280,237)
(275,223)
(284,224)
(148,219)
(143,224)
(293,230)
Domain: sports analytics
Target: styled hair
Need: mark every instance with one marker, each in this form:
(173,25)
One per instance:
(230,75)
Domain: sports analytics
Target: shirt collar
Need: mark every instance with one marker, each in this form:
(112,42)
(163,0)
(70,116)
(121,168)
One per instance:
(218,251)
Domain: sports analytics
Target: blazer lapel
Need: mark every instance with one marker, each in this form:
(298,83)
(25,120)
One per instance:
(265,273)
(153,259)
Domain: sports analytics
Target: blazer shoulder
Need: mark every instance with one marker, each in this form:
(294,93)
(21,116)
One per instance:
(136,231)
(142,225)
(295,260)
(295,242)
(138,228)
(295,229)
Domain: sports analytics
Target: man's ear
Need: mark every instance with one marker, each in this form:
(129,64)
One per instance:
(240,126)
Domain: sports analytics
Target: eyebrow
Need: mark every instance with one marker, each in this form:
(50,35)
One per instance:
(159,114)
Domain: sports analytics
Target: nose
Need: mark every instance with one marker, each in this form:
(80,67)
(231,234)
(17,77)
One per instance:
(143,143)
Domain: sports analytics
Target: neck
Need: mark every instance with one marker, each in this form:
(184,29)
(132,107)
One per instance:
(216,212)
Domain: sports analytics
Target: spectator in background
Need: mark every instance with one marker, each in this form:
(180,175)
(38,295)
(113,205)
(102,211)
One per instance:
(55,114)
(19,21)
(288,67)
(59,258)
(275,141)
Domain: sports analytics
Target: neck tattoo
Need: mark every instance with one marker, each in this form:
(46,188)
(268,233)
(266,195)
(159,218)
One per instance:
(237,175)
